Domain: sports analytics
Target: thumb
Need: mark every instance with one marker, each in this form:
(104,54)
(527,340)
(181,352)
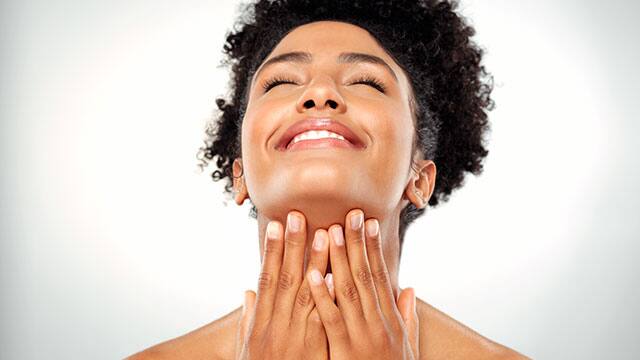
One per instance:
(248,308)
(407,307)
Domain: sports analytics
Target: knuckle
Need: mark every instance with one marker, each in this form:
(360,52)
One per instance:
(380,276)
(303,299)
(334,319)
(364,276)
(285,281)
(271,248)
(350,292)
(373,243)
(265,280)
(293,241)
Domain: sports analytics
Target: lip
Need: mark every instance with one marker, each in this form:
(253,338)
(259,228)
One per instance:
(318,124)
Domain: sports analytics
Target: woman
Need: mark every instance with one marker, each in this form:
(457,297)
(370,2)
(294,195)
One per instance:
(340,111)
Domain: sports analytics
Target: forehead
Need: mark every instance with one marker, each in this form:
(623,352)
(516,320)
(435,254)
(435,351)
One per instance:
(329,39)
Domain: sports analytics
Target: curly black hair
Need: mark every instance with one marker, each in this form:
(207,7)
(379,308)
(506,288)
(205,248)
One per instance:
(427,38)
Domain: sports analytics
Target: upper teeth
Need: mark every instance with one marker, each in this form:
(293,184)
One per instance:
(315,134)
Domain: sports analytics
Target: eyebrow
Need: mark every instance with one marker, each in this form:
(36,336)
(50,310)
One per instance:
(343,58)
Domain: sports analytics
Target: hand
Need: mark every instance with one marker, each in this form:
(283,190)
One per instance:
(366,323)
(280,321)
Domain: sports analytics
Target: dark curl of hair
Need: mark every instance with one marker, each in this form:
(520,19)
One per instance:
(427,38)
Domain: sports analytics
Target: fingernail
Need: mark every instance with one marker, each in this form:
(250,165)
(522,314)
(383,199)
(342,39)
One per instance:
(329,280)
(315,277)
(356,220)
(272,230)
(372,227)
(293,222)
(320,240)
(244,304)
(336,233)
(412,298)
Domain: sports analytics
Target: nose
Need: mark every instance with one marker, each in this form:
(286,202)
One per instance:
(321,95)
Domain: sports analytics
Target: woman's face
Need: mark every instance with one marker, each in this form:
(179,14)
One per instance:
(329,79)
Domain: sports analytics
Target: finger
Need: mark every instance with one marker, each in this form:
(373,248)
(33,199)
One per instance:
(379,269)
(271,263)
(331,316)
(347,296)
(359,265)
(248,307)
(319,256)
(315,337)
(291,272)
(407,308)
(332,290)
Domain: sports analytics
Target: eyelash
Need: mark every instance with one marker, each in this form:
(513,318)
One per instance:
(275,82)
(368,80)
(371,81)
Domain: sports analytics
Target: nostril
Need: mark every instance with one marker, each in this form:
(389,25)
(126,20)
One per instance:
(310,104)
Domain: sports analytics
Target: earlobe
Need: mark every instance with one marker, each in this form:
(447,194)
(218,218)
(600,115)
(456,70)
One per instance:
(239,187)
(421,186)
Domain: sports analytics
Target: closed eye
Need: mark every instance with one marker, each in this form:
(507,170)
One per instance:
(373,82)
(273,82)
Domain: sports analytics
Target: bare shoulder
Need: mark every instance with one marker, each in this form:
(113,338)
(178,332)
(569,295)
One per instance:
(215,341)
(442,337)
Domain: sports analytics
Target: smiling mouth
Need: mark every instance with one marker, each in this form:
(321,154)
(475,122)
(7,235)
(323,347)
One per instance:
(318,139)
(323,143)
(313,133)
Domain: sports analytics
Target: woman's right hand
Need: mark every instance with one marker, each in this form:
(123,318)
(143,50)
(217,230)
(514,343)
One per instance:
(280,321)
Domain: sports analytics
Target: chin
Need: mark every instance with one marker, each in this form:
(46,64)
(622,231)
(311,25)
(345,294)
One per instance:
(323,192)
(321,208)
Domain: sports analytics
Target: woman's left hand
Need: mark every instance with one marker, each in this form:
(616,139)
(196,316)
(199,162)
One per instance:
(366,323)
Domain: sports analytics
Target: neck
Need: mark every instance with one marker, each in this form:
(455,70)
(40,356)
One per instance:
(322,218)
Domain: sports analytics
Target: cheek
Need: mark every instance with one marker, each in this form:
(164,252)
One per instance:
(260,122)
(262,119)
(255,129)
(391,153)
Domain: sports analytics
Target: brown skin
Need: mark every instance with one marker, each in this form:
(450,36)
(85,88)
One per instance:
(366,323)
(441,338)
(324,185)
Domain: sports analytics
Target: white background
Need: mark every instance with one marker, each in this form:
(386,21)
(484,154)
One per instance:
(112,241)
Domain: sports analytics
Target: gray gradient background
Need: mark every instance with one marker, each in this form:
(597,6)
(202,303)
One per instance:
(112,241)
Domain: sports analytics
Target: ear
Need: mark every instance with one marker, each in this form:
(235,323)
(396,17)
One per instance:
(239,187)
(422,183)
